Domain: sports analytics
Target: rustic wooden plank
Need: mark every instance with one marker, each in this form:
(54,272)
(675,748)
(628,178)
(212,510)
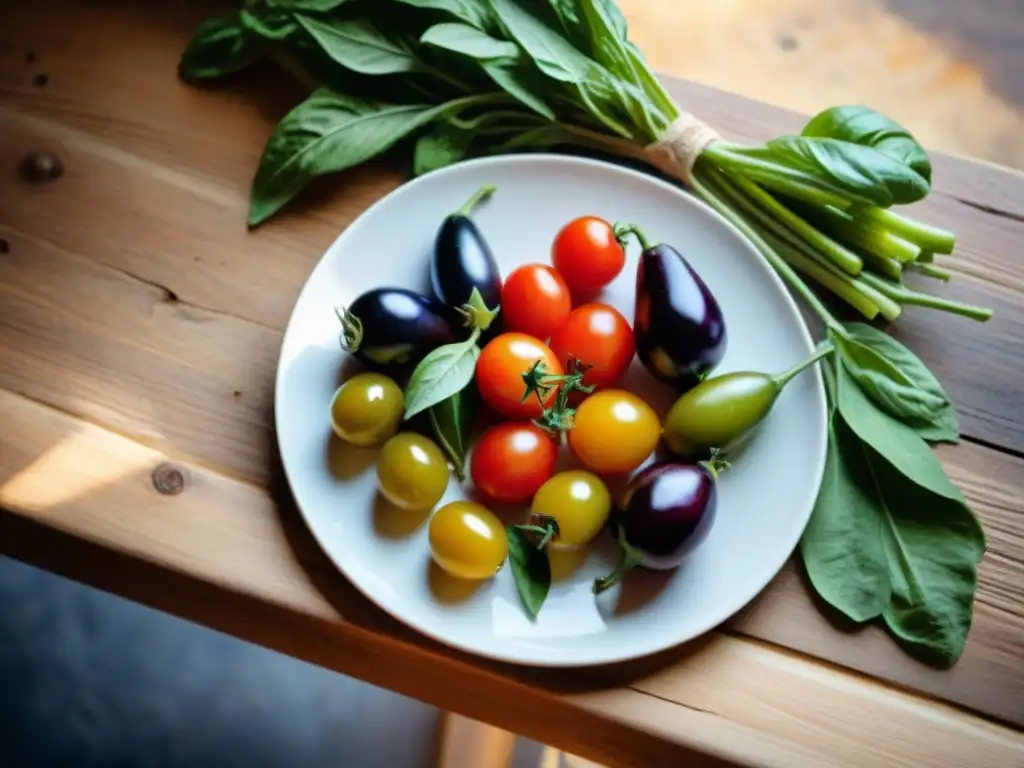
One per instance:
(988,676)
(727,697)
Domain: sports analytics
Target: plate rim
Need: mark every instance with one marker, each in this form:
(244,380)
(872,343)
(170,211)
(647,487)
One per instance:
(568,160)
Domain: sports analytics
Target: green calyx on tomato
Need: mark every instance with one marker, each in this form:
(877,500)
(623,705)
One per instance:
(546,527)
(559,417)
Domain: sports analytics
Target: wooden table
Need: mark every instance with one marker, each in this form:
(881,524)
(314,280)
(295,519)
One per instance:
(139,329)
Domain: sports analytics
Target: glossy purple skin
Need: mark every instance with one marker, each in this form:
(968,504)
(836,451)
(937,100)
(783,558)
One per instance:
(678,325)
(668,511)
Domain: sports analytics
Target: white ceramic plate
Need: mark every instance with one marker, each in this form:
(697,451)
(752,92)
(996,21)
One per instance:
(765,499)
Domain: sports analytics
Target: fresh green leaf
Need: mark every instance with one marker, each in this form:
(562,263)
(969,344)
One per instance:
(892,485)
(554,55)
(609,49)
(906,389)
(326,133)
(651,87)
(469,41)
(934,545)
(270,26)
(865,126)
(894,440)
(442,146)
(358,45)
(473,12)
(944,429)
(841,546)
(853,167)
(452,422)
(531,570)
(220,47)
(517,79)
(909,393)
(319,6)
(443,372)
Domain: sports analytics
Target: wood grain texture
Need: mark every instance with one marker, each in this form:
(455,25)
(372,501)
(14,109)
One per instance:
(133,297)
(722,697)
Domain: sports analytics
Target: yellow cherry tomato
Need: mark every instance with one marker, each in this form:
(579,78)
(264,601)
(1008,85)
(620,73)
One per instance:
(412,471)
(579,502)
(614,432)
(467,540)
(367,409)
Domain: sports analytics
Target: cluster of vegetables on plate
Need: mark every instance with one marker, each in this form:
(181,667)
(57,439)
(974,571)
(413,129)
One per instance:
(550,374)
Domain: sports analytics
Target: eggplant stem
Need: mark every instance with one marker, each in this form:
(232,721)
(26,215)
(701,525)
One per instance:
(478,197)
(783,379)
(631,558)
(623,230)
(351,330)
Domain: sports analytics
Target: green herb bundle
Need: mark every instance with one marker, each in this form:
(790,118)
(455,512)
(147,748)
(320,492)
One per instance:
(891,537)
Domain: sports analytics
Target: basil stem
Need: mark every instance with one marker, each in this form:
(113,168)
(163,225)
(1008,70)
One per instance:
(905,295)
(823,243)
(778,263)
(779,177)
(777,228)
(926,237)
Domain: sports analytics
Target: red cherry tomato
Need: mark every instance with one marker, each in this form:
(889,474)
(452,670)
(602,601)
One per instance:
(500,369)
(534,300)
(600,336)
(587,254)
(511,461)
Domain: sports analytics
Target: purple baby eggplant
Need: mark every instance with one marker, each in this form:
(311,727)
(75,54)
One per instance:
(666,513)
(391,329)
(678,325)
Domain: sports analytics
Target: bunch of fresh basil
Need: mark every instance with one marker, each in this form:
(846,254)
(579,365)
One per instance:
(891,536)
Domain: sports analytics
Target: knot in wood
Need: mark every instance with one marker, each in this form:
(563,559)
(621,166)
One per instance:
(168,479)
(41,166)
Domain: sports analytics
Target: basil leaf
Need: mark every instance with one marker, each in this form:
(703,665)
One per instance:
(934,545)
(320,6)
(925,406)
(358,45)
(902,393)
(895,441)
(944,429)
(518,80)
(220,47)
(857,169)
(469,41)
(531,570)
(443,372)
(442,146)
(608,48)
(470,11)
(452,422)
(841,546)
(865,126)
(270,26)
(554,55)
(931,539)
(328,132)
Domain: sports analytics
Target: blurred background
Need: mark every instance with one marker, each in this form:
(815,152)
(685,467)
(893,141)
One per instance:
(87,679)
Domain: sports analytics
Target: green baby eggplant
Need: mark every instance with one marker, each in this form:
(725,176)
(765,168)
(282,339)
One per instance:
(721,411)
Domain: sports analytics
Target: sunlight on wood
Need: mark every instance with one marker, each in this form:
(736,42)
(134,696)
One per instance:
(808,54)
(65,472)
